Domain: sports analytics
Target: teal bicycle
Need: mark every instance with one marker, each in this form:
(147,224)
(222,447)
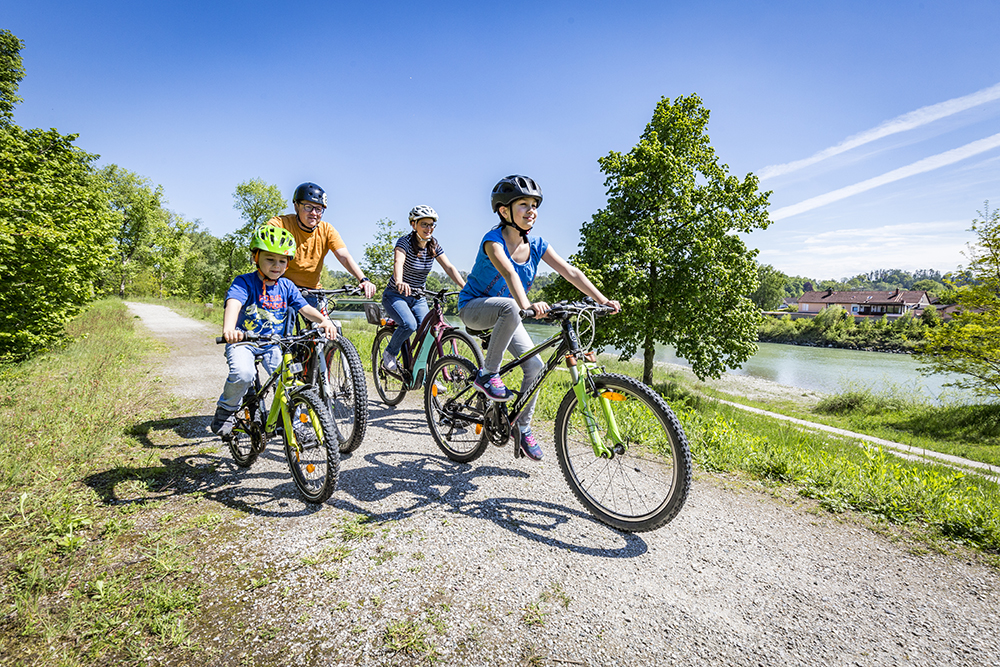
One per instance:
(297,413)
(619,445)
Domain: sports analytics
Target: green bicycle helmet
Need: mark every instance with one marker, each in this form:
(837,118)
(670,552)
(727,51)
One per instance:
(273,239)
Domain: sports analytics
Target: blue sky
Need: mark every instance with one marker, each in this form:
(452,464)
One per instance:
(874,124)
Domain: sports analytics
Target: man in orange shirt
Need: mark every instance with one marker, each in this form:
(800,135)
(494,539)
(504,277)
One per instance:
(314,237)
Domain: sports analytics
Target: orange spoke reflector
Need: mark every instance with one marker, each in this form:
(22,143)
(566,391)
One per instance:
(613,396)
(434,390)
(310,468)
(479,429)
(304,418)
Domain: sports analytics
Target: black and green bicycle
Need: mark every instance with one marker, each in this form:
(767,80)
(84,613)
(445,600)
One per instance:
(619,445)
(297,412)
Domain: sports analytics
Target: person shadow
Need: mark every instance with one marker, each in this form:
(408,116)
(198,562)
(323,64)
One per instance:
(180,457)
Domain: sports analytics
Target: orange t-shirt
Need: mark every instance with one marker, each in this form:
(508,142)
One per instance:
(310,249)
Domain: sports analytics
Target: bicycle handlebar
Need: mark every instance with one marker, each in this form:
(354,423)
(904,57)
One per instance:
(568,308)
(349,290)
(250,337)
(440,294)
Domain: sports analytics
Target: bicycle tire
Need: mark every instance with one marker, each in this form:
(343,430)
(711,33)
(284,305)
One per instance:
(644,485)
(457,426)
(390,387)
(314,459)
(346,392)
(247,439)
(457,343)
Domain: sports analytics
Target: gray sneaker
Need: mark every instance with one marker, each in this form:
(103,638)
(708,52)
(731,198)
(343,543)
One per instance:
(223,421)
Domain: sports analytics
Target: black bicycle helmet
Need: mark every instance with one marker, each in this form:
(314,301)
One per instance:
(310,192)
(512,188)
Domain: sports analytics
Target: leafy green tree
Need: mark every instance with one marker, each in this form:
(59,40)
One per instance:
(770,290)
(378,259)
(257,201)
(969,343)
(136,206)
(54,225)
(667,245)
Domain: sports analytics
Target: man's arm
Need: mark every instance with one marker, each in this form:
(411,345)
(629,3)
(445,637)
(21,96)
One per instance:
(344,257)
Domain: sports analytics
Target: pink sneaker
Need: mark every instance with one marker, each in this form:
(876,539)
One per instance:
(493,387)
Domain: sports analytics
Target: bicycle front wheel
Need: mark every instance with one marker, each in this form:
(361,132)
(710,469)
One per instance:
(457,343)
(314,456)
(346,392)
(388,384)
(455,410)
(646,481)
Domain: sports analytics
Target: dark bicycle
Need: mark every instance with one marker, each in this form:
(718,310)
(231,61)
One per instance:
(434,338)
(620,447)
(339,375)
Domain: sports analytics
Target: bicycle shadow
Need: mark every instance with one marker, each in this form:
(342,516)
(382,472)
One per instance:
(435,481)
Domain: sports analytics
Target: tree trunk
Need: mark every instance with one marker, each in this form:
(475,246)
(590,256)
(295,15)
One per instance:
(648,350)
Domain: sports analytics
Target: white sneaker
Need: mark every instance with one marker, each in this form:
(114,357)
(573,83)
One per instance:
(388,361)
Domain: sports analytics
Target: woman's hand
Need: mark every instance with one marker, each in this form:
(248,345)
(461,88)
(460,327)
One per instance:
(403,288)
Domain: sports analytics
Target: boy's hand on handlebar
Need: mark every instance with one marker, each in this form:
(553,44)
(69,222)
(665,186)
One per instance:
(232,335)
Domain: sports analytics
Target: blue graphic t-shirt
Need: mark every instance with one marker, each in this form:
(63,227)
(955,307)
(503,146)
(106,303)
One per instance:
(265,309)
(486,281)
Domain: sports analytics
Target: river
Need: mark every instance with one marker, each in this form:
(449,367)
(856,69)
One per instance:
(825,370)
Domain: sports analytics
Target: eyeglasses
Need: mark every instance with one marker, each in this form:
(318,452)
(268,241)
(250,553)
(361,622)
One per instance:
(427,225)
(309,208)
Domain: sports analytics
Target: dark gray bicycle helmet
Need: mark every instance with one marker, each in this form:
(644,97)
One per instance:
(512,188)
(310,192)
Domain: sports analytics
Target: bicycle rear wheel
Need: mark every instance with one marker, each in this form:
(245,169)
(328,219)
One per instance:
(314,456)
(388,384)
(346,392)
(645,483)
(454,410)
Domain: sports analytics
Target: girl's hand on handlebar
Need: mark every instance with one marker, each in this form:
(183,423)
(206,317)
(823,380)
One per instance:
(540,308)
(611,303)
(232,335)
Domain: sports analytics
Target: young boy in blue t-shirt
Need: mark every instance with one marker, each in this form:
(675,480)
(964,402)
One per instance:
(259,302)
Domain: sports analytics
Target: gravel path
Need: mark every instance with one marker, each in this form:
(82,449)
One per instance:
(495,563)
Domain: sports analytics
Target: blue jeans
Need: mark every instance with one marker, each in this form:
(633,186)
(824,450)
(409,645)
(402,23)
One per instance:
(408,311)
(503,316)
(241,371)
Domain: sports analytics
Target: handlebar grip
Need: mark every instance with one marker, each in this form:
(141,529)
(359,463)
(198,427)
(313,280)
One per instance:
(247,337)
(530,312)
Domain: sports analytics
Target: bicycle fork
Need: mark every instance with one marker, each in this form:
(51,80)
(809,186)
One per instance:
(579,382)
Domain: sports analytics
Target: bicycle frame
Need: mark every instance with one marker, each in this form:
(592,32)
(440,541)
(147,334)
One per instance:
(427,335)
(569,350)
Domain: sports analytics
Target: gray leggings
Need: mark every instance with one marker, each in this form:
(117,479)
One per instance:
(503,316)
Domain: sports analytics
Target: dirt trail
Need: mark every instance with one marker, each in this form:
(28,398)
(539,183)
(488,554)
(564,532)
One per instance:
(496,563)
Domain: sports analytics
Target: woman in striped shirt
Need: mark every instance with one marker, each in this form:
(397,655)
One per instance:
(413,259)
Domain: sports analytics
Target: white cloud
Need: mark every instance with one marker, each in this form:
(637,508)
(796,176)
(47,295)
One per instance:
(907,121)
(918,167)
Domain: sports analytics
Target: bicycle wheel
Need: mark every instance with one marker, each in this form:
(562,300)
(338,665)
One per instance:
(388,384)
(247,439)
(346,392)
(645,483)
(313,458)
(454,410)
(459,344)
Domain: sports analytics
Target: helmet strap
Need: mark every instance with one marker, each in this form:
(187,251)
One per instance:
(511,223)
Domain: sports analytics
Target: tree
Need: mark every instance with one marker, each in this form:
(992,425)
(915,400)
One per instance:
(378,260)
(54,224)
(969,343)
(666,245)
(257,201)
(139,216)
(770,290)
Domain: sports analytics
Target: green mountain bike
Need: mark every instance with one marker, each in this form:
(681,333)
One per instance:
(297,413)
(620,447)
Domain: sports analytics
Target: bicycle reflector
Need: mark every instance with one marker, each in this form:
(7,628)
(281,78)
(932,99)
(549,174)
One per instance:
(613,396)
(304,418)
(479,429)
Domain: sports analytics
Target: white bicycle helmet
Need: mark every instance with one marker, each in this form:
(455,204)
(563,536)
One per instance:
(423,211)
